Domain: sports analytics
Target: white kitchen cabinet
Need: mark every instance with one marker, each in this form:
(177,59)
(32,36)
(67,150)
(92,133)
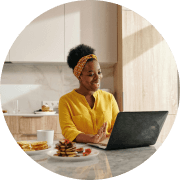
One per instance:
(93,23)
(42,40)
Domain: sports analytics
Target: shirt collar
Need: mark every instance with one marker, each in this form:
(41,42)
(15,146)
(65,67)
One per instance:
(80,95)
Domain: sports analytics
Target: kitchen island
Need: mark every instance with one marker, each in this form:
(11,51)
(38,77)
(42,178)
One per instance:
(107,164)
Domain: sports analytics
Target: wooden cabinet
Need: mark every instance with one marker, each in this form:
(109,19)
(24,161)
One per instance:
(42,40)
(149,71)
(25,128)
(13,124)
(92,23)
(166,128)
(30,125)
(146,71)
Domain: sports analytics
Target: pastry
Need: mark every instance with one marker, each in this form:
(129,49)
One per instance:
(45,108)
(39,145)
(66,148)
(25,145)
(34,146)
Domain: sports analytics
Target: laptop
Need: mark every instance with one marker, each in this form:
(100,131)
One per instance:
(134,129)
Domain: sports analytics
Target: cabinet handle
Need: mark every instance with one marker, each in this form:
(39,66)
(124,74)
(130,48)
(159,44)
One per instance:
(30,134)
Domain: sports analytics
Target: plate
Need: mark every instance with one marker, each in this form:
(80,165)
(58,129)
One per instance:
(38,151)
(46,113)
(93,154)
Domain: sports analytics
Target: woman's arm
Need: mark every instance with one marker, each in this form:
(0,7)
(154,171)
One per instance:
(69,130)
(86,138)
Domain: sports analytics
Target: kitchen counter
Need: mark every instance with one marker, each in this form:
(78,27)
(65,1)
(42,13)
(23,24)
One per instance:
(107,164)
(30,115)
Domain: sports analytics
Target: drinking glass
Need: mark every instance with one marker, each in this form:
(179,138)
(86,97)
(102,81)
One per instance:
(15,107)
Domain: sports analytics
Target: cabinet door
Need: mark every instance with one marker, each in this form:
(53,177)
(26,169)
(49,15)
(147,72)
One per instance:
(30,125)
(12,123)
(42,40)
(52,122)
(92,23)
(149,68)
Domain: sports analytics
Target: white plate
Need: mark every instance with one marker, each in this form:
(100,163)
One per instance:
(45,113)
(38,151)
(93,154)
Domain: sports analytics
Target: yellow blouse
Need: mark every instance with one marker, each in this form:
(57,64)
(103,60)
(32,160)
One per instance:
(76,116)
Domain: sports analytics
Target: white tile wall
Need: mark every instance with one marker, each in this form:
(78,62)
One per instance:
(31,84)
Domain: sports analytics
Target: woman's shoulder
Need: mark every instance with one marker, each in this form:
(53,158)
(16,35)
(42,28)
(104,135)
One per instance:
(105,93)
(67,96)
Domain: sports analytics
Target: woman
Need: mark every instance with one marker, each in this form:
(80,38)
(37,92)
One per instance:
(86,114)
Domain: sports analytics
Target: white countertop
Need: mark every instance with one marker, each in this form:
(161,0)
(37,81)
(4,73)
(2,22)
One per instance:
(108,163)
(30,114)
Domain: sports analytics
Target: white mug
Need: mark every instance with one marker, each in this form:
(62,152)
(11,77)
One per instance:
(46,135)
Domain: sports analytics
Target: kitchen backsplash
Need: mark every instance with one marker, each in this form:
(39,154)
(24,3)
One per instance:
(31,84)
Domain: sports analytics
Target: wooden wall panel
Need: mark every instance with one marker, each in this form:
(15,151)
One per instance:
(166,128)
(149,68)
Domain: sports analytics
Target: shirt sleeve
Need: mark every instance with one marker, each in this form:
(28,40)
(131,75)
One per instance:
(68,128)
(115,111)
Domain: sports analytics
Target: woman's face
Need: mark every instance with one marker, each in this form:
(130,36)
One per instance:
(91,76)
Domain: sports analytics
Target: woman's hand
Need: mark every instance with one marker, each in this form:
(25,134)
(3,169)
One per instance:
(101,135)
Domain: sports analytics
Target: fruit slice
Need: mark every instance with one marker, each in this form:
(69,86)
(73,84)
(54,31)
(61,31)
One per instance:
(88,150)
(85,154)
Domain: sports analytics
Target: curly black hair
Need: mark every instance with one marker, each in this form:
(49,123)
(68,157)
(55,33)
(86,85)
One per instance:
(76,53)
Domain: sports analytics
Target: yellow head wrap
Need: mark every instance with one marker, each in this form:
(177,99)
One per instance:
(81,63)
